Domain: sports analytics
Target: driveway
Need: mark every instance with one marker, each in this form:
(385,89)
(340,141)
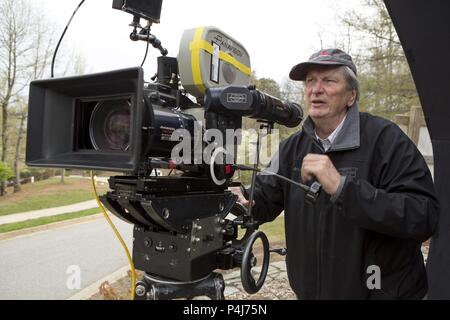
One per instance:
(42,265)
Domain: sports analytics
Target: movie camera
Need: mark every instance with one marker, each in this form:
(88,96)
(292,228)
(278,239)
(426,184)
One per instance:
(186,225)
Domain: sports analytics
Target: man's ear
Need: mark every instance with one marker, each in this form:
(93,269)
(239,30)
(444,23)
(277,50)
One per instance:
(352,98)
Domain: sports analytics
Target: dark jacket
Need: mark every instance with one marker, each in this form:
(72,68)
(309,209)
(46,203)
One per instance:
(386,208)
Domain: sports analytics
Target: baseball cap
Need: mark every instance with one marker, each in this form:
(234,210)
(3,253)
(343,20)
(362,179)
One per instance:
(327,57)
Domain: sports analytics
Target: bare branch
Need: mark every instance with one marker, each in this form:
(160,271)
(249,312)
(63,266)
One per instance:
(25,49)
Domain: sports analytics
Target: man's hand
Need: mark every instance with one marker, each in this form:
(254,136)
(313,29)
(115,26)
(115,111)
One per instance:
(241,199)
(321,168)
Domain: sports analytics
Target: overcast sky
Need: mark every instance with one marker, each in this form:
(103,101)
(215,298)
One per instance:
(277,34)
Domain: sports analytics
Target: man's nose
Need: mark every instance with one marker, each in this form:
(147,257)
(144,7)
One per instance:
(317,88)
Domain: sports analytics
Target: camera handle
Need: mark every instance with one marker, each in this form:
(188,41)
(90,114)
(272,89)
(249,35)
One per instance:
(145,35)
(249,260)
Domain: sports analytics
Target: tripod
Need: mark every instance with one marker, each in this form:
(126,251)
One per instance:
(156,288)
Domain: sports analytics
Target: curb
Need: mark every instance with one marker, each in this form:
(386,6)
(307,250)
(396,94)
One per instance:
(48,227)
(89,291)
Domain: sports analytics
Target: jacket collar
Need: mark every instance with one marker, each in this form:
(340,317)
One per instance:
(348,138)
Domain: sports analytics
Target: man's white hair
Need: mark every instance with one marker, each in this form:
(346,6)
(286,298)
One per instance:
(352,80)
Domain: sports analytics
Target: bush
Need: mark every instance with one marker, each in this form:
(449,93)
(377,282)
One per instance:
(5,172)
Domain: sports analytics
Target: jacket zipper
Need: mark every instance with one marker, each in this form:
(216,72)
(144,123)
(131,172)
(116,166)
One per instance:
(319,241)
(319,258)
(320,232)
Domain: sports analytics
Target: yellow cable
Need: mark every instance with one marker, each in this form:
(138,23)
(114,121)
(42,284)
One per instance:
(133,271)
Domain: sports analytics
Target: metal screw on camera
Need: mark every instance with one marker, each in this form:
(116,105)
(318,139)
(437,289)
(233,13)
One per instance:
(140,290)
(166,213)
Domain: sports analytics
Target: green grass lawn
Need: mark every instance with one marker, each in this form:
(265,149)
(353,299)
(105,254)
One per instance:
(43,202)
(274,230)
(46,220)
(47,194)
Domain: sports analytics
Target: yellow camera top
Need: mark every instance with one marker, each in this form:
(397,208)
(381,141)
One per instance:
(210,58)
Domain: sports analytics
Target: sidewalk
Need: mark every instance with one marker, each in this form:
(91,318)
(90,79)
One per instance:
(23,216)
(276,286)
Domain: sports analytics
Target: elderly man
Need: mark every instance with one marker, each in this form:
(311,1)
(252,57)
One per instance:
(362,238)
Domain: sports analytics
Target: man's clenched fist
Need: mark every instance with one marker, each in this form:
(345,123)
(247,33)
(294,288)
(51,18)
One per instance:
(320,167)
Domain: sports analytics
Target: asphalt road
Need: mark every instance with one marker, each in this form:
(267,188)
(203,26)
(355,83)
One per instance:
(45,265)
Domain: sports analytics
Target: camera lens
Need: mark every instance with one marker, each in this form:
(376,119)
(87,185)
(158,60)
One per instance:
(109,127)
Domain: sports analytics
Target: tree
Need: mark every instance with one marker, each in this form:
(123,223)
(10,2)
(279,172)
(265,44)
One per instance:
(25,43)
(21,115)
(5,172)
(293,91)
(268,86)
(386,82)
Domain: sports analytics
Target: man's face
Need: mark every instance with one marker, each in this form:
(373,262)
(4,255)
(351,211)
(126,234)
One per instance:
(327,95)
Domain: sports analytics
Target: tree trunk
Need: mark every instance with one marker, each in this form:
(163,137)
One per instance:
(63,172)
(4,141)
(3,188)
(4,130)
(17,186)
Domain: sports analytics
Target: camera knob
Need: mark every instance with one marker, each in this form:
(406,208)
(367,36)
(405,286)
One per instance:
(140,290)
